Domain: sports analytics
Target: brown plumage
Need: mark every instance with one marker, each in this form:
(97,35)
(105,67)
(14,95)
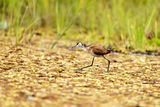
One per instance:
(98,50)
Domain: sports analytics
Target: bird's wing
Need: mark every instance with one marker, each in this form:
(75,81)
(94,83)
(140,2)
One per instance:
(98,50)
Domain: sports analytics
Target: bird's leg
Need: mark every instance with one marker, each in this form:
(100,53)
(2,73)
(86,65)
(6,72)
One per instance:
(86,66)
(108,63)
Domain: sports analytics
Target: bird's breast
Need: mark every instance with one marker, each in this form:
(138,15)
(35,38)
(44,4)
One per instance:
(93,53)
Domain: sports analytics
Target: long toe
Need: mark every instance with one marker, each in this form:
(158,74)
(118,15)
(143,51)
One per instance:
(77,69)
(107,71)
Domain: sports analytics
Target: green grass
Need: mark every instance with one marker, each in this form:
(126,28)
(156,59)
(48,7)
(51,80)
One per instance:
(105,21)
(64,21)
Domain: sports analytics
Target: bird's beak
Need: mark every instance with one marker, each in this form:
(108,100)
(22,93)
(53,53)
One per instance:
(72,47)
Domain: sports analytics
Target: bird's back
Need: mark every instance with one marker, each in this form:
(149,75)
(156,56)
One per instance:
(98,50)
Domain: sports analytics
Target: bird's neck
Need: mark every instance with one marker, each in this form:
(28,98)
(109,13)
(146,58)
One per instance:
(84,49)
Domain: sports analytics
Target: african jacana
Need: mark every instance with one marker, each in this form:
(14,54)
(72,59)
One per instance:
(95,51)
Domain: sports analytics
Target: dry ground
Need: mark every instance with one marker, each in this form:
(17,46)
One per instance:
(34,75)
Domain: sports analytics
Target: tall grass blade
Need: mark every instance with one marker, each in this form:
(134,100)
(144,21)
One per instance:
(66,25)
(150,19)
(63,32)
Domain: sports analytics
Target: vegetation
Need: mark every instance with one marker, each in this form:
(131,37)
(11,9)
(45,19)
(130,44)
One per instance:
(105,21)
(37,67)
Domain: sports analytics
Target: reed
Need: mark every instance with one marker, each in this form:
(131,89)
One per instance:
(105,21)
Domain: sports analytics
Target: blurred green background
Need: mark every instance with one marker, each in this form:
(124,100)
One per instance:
(132,23)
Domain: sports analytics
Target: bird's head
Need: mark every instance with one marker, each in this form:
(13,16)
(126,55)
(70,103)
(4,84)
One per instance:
(78,45)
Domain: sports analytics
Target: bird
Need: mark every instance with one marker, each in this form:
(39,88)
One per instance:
(95,51)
